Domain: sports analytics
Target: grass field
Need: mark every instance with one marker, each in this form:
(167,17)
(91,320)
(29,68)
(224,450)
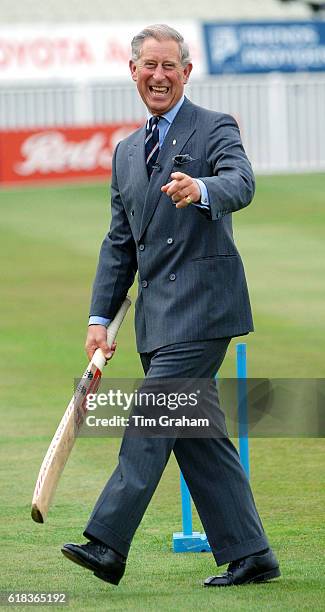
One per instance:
(49,240)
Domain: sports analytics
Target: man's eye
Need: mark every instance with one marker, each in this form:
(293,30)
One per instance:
(149,65)
(169,66)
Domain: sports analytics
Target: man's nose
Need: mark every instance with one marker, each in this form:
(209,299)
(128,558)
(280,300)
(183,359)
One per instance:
(159,73)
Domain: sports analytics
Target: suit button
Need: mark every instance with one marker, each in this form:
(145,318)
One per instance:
(132,213)
(141,247)
(144,283)
(172,277)
(170,240)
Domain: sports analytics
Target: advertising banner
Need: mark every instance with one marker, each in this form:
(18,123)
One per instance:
(59,154)
(79,51)
(259,47)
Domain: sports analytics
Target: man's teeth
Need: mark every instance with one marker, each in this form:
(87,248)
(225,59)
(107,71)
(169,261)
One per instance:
(160,89)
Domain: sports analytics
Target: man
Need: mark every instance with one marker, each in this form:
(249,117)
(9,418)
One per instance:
(175,183)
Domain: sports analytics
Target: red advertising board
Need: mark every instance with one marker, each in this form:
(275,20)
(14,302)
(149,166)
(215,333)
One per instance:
(59,154)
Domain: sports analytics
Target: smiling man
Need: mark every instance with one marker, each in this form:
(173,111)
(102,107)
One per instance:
(175,184)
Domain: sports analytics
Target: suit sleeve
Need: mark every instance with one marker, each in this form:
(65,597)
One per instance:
(232,185)
(117,263)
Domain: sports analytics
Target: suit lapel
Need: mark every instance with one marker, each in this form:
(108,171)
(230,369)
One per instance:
(178,135)
(138,170)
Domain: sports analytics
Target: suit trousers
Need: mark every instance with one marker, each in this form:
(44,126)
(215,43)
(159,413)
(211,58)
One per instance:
(211,467)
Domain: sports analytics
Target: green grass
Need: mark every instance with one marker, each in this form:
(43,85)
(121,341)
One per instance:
(49,240)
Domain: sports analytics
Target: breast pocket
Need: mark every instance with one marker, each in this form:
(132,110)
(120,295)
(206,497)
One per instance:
(190,167)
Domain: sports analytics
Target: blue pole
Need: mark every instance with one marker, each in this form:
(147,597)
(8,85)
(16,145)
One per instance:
(187,541)
(242,407)
(186,508)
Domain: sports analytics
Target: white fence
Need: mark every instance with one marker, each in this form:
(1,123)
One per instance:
(282,117)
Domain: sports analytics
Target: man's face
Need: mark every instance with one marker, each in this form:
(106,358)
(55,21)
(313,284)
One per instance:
(159,75)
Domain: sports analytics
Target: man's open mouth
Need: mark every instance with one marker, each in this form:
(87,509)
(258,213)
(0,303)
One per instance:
(158,90)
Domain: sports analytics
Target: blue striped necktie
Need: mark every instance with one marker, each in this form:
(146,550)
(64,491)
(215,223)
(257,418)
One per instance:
(152,143)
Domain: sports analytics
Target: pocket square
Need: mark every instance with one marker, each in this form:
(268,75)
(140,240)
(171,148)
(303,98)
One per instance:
(182,159)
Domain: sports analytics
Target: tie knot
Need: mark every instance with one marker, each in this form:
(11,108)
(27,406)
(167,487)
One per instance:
(153,122)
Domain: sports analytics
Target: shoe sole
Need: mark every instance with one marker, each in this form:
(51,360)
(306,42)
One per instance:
(106,577)
(264,577)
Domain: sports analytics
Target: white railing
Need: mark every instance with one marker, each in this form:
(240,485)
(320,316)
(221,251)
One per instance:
(282,117)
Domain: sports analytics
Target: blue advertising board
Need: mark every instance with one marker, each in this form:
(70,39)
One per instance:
(265,46)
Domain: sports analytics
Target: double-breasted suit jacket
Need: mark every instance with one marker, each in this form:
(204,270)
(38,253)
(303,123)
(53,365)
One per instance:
(191,279)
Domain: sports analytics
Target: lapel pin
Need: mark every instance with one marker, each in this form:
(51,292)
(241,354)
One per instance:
(174,141)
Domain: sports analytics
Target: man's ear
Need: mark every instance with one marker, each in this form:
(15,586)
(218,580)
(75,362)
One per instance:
(133,70)
(186,73)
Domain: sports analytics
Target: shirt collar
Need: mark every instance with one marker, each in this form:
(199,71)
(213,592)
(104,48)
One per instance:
(171,114)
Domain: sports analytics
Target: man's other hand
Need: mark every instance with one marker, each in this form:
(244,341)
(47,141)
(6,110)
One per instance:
(97,338)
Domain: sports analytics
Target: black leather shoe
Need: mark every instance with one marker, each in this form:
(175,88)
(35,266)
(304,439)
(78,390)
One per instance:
(255,568)
(99,558)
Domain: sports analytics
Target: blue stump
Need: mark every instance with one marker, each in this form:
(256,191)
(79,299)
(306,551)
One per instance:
(194,541)
(242,407)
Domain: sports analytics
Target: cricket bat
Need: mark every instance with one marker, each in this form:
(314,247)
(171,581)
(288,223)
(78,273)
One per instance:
(70,424)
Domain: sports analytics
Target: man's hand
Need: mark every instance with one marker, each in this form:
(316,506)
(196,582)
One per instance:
(183,190)
(97,338)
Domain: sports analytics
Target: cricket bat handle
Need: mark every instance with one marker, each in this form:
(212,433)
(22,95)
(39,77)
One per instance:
(117,321)
(98,358)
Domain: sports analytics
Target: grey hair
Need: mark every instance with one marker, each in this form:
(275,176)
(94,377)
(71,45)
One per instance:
(160,32)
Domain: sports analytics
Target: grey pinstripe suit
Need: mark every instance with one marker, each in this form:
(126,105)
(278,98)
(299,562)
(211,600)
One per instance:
(192,299)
